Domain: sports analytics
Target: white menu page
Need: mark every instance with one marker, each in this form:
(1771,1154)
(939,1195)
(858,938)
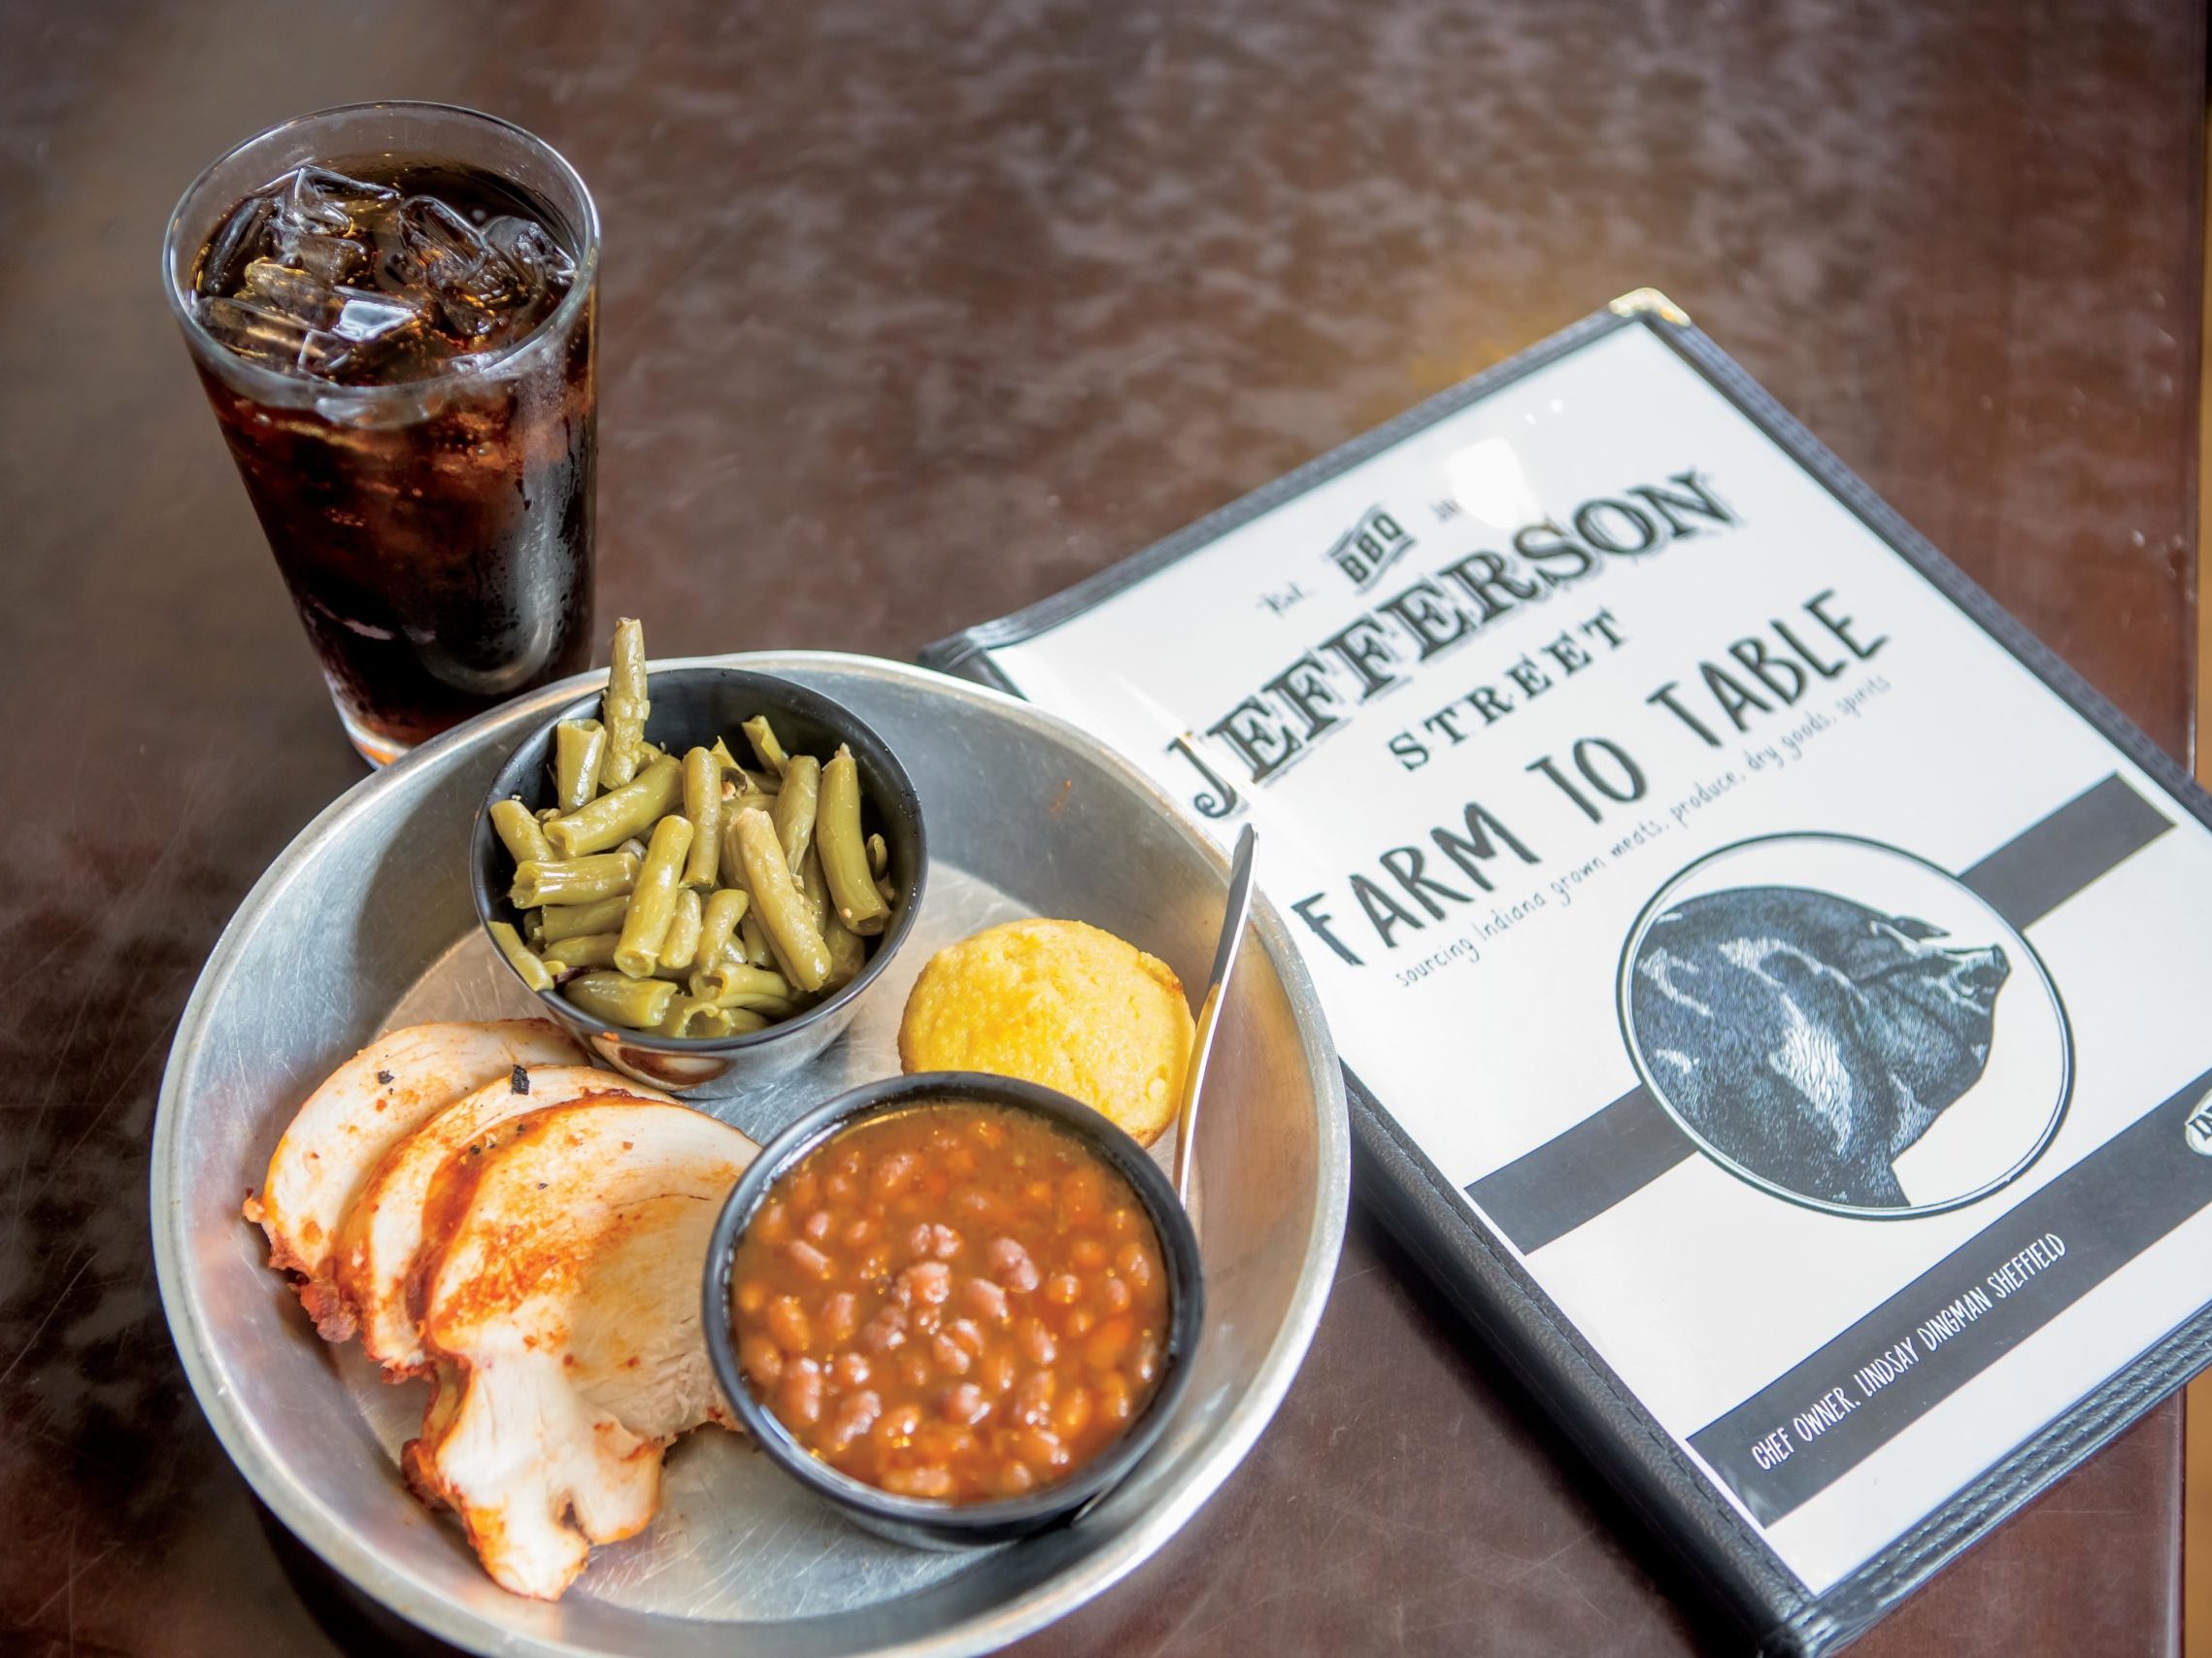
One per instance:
(1812,999)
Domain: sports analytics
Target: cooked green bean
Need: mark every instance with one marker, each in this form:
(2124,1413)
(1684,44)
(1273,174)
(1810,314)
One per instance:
(776,961)
(585,950)
(703,805)
(848,951)
(625,707)
(754,938)
(749,1003)
(731,868)
(683,1013)
(688,1016)
(652,905)
(780,905)
(545,814)
(879,856)
(765,748)
(680,949)
(619,814)
(519,832)
(888,891)
(533,970)
(732,984)
(722,981)
(718,922)
(769,1008)
(794,809)
(620,1000)
(534,927)
(573,880)
(744,780)
(580,748)
(814,889)
(844,854)
(573,921)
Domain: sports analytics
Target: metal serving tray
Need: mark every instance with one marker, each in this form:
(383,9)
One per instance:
(365,922)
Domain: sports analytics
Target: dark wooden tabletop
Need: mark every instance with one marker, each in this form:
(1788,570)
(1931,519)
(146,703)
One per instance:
(913,314)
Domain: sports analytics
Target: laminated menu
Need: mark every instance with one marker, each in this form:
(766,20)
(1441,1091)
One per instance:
(1773,986)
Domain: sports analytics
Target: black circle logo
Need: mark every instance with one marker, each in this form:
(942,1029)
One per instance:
(1845,1024)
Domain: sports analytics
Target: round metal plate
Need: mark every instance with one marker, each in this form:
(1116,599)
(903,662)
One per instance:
(365,922)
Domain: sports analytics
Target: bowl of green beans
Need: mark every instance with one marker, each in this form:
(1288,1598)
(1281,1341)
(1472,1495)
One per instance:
(702,873)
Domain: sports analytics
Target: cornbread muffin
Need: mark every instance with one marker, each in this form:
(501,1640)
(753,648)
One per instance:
(1060,1004)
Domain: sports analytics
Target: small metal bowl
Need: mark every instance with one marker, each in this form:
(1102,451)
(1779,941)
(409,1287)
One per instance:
(922,1522)
(693,706)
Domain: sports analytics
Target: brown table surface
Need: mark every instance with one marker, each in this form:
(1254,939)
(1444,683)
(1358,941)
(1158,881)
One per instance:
(914,313)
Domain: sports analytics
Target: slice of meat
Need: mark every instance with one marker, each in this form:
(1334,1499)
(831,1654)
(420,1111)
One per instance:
(358,1114)
(562,1321)
(389,1229)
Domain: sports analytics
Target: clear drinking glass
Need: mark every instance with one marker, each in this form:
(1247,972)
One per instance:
(429,503)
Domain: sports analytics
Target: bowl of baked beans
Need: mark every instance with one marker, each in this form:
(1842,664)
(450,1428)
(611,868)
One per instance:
(960,1307)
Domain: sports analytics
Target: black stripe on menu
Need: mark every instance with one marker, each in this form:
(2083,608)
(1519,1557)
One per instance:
(2092,834)
(1962,1315)
(1618,1150)
(1610,1155)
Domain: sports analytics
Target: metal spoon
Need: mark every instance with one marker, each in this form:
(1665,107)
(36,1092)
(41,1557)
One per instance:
(1210,1010)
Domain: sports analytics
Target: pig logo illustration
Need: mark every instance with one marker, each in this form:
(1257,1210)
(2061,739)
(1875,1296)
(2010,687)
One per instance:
(1808,1039)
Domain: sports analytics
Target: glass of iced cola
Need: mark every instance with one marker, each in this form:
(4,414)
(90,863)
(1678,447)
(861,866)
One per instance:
(391,307)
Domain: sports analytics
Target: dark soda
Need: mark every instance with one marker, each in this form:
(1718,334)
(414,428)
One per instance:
(422,463)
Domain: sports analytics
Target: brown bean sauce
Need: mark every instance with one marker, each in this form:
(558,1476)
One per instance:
(961,1302)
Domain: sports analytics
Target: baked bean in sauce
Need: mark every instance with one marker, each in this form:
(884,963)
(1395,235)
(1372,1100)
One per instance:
(961,1302)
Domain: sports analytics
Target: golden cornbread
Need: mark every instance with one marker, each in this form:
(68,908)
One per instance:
(1058,1002)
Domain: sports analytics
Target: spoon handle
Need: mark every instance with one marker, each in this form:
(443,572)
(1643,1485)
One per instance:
(1210,1010)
